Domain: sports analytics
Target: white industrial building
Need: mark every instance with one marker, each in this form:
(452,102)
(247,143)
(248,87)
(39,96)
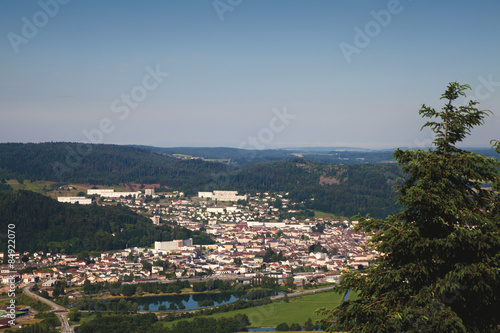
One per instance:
(101,192)
(174,245)
(110,193)
(216,210)
(222,195)
(73,200)
(228,196)
(278,225)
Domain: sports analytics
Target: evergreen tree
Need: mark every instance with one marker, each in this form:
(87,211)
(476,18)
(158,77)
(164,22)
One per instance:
(308,326)
(439,263)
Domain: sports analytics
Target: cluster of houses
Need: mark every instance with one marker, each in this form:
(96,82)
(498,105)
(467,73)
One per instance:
(238,252)
(311,249)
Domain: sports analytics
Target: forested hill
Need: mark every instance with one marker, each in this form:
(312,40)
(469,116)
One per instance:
(100,164)
(345,190)
(47,225)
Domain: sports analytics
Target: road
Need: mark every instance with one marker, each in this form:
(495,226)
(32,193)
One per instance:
(56,308)
(302,292)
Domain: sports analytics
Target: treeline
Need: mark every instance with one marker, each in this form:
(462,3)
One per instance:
(308,326)
(237,323)
(127,289)
(43,224)
(148,323)
(122,306)
(212,284)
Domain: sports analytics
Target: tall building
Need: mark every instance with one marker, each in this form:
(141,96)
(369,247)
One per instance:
(156,219)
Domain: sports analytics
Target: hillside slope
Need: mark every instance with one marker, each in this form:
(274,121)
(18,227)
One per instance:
(43,224)
(100,164)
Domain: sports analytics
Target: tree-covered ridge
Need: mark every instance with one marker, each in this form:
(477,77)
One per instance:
(246,157)
(43,224)
(345,190)
(342,189)
(100,164)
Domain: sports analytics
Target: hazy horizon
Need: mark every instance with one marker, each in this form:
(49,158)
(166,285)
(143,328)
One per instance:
(339,148)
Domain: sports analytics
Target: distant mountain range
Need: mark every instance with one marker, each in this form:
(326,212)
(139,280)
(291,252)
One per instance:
(337,155)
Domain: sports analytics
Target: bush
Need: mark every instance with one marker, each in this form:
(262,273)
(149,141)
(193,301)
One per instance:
(282,327)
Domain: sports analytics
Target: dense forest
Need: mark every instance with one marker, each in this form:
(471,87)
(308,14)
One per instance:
(100,164)
(341,189)
(43,224)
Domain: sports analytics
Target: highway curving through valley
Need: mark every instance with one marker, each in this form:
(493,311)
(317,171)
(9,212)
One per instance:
(56,308)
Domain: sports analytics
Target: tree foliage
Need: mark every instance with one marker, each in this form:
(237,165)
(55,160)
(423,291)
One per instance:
(439,263)
(237,323)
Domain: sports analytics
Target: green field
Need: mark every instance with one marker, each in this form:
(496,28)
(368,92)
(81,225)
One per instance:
(298,310)
(52,190)
(27,185)
(330,216)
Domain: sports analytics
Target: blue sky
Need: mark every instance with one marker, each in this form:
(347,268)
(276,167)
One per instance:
(235,67)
